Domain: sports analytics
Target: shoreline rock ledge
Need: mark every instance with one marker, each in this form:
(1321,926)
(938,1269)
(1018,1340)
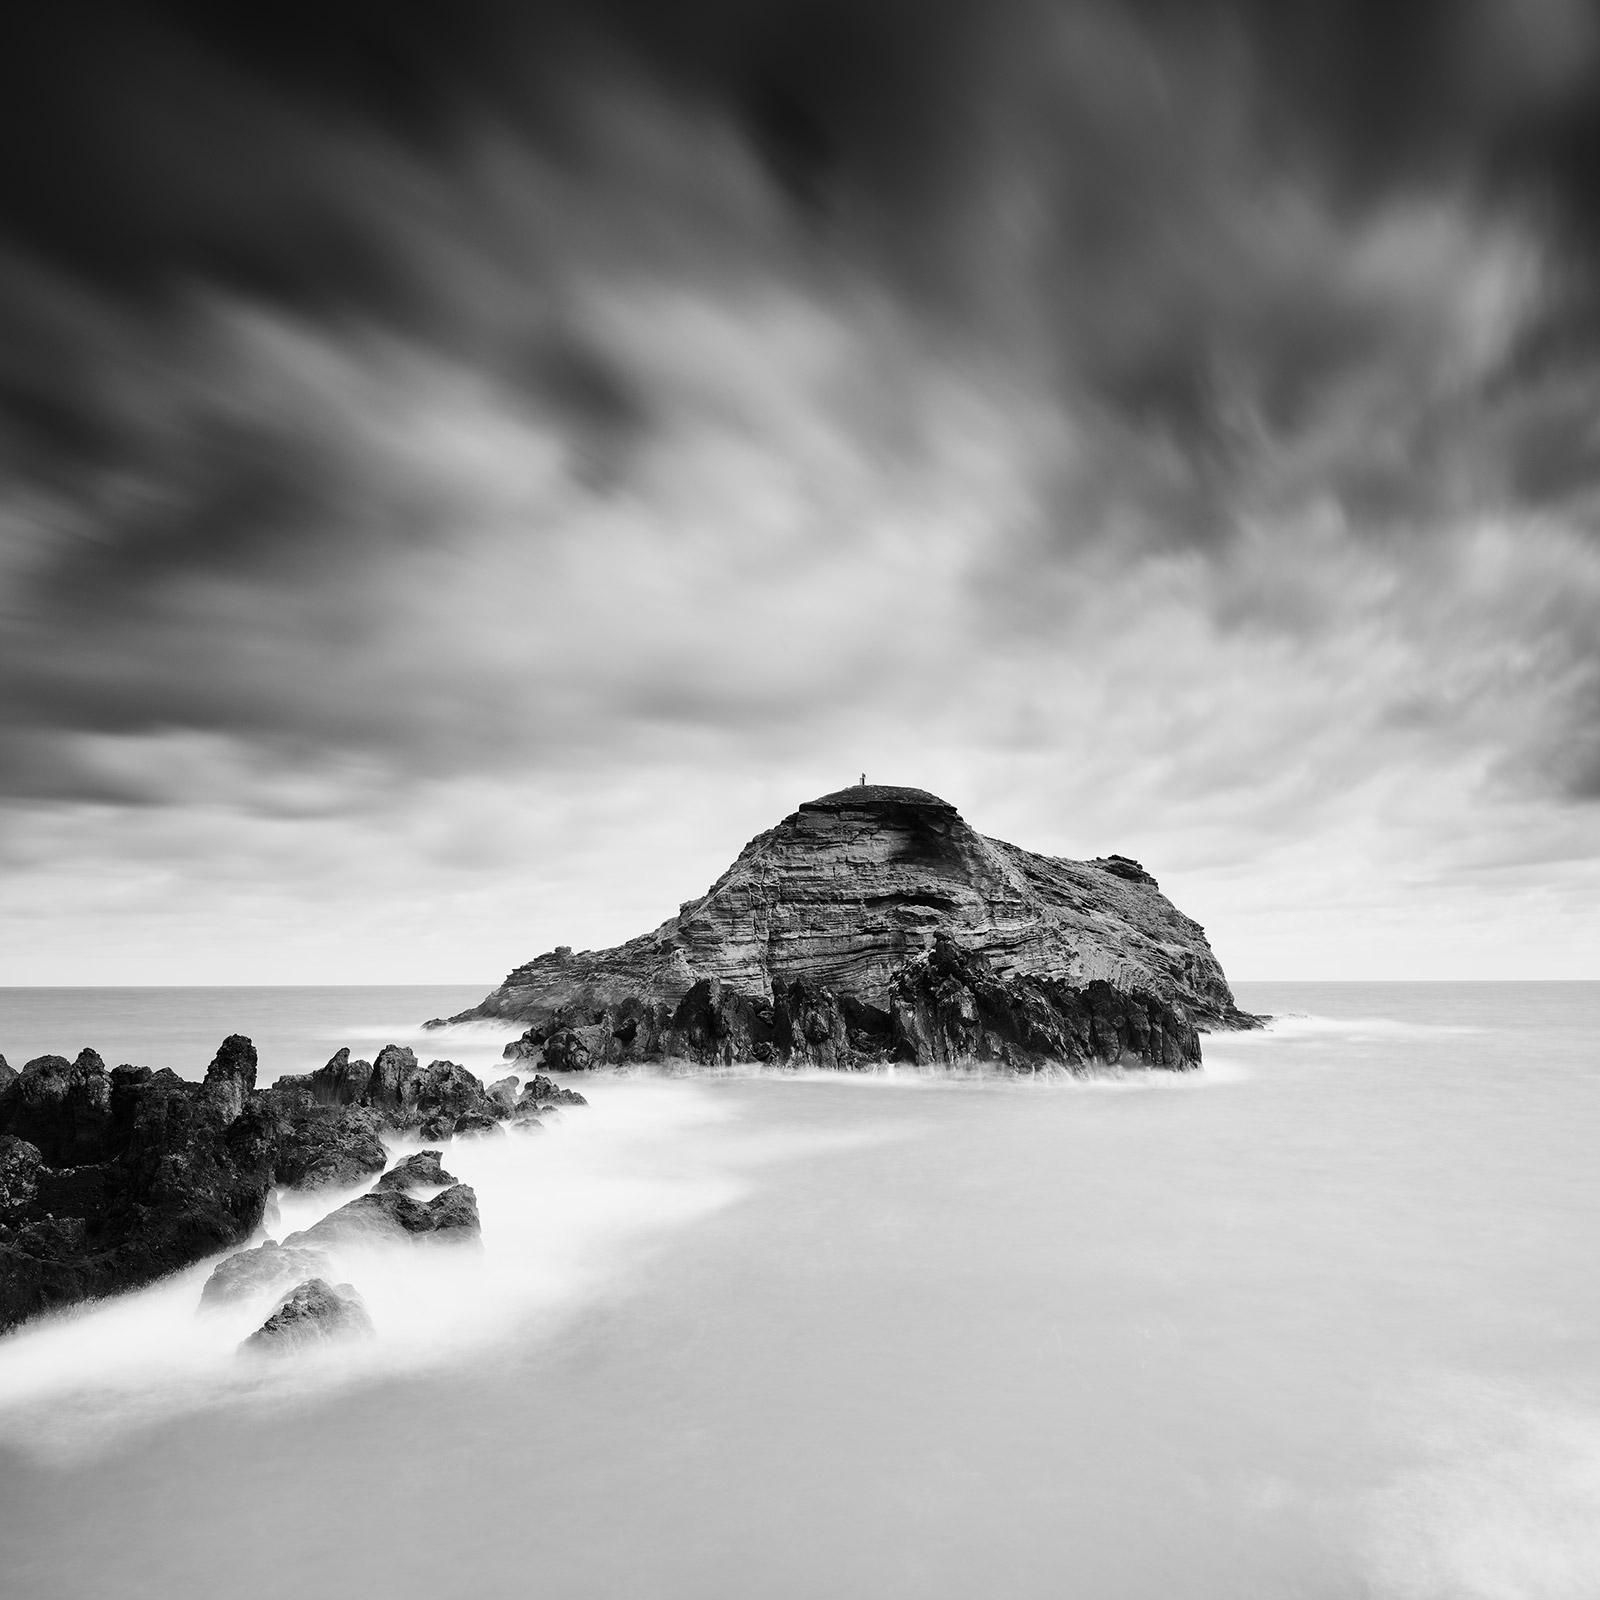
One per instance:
(874,925)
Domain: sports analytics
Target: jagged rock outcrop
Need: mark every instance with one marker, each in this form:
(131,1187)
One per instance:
(312,1314)
(138,1173)
(874,925)
(540,1094)
(424,1170)
(109,1180)
(388,1216)
(440,1099)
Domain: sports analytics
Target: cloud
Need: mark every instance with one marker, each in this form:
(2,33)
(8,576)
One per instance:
(1183,412)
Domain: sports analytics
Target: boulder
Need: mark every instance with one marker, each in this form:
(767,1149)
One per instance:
(266,1268)
(389,1216)
(542,1092)
(504,1094)
(419,1171)
(314,1313)
(455,1213)
(8,1074)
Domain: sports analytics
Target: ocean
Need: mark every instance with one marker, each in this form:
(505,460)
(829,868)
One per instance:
(1321,1321)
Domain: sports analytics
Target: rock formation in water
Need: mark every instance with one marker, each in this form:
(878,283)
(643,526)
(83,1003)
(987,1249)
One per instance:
(422,1170)
(391,1216)
(438,1100)
(110,1180)
(874,925)
(270,1266)
(313,1313)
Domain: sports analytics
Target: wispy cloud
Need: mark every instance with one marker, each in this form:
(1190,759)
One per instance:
(1143,421)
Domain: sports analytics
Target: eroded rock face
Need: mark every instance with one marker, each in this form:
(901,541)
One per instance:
(817,938)
(314,1313)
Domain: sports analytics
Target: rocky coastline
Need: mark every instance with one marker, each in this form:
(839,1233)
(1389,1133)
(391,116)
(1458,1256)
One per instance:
(111,1179)
(875,926)
(871,926)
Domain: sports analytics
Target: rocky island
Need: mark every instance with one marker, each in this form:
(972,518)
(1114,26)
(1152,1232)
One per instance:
(874,925)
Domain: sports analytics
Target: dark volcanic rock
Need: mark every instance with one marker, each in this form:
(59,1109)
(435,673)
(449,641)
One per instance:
(268,1267)
(329,1147)
(8,1074)
(389,1216)
(313,1313)
(394,1076)
(140,1173)
(232,1074)
(63,1107)
(342,1082)
(542,1092)
(419,1171)
(832,941)
(504,1094)
(403,1095)
(110,1180)
(566,1051)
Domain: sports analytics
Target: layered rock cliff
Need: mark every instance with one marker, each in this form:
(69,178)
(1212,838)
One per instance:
(875,925)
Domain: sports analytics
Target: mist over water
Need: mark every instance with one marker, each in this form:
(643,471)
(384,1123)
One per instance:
(1318,1321)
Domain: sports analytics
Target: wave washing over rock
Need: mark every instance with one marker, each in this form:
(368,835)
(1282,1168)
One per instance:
(872,926)
(111,1180)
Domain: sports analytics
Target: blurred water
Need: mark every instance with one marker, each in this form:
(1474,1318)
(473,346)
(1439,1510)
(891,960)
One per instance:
(1319,1321)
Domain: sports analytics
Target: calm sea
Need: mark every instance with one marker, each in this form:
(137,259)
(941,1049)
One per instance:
(1320,1321)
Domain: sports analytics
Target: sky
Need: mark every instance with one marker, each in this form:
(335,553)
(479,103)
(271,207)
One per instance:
(468,469)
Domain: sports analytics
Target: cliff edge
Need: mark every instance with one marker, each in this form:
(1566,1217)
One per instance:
(874,925)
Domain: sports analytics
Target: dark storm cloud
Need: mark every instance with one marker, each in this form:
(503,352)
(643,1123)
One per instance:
(1226,260)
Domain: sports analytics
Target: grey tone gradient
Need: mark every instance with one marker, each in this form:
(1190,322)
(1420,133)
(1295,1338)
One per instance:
(466,469)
